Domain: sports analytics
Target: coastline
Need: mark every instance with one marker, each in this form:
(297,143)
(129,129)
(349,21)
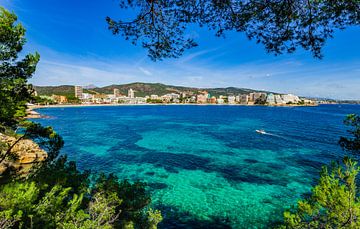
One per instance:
(34,107)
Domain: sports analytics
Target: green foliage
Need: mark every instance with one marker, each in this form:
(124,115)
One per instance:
(72,99)
(101,213)
(161,27)
(65,90)
(352,144)
(14,73)
(334,202)
(301,102)
(260,102)
(154,218)
(42,100)
(134,198)
(22,205)
(154,101)
(16,200)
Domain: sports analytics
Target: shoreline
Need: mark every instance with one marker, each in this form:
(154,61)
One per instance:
(34,107)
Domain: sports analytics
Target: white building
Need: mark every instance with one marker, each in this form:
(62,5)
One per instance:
(231,99)
(270,99)
(87,96)
(290,98)
(166,98)
(131,93)
(154,97)
(279,100)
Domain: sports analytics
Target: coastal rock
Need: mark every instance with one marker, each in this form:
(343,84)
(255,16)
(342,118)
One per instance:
(32,114)
(27,153)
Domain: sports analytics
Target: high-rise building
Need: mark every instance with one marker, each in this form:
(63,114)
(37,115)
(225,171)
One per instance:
(116,92)
(78,92)
(131,93)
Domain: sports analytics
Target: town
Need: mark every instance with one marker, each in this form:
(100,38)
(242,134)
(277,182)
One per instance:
(185,97)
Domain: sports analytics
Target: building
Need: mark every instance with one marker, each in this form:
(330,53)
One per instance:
(257,97)
(270,99)
(60,99)
(78,92)
(202,97)
(86,96)
(220,101)
(231,99)
(289,98)
(117,92)
(307,101)
(243,99)
(279,100)
(131,93)
(154,97)
(212,99)
(192,99)
(166,98)
(99,98)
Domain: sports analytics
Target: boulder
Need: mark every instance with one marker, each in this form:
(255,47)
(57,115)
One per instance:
(27,154)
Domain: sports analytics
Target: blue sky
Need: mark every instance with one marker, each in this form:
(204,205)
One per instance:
(76,48)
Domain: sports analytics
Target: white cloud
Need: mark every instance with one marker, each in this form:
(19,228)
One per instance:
(146,72)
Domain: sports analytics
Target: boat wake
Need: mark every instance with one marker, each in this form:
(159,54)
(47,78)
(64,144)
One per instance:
(267,133)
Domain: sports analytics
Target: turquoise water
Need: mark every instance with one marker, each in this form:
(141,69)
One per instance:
(205,165)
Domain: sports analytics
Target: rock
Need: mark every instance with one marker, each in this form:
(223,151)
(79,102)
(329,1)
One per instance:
(27,153)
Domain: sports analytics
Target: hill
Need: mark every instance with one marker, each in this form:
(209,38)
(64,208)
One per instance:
(143,89)
(66,90)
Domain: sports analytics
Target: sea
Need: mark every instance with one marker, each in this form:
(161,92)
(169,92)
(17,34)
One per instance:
(205,165)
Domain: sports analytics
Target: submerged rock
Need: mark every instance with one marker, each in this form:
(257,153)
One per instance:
(26,153)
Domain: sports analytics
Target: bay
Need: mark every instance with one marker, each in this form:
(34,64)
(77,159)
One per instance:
(206,166)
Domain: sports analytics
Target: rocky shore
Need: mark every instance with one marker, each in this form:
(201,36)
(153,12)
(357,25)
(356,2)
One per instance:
(30,113)
(26,152)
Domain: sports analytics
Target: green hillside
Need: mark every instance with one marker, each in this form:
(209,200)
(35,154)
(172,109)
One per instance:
(66,90)
(142,89)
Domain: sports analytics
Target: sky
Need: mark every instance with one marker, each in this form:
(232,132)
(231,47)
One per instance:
(76,48)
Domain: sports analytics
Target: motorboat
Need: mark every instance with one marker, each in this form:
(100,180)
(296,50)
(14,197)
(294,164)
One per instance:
(260,131)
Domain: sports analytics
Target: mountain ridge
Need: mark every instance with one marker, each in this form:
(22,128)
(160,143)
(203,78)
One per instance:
(142,89)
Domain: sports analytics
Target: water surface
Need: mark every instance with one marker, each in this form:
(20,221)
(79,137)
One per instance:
(206,165)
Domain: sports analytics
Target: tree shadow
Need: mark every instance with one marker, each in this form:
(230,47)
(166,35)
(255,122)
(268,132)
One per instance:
(174,218)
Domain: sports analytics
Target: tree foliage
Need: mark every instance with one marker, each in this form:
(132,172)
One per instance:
(162,26)
(334,201)
(352,144)
(14,72)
